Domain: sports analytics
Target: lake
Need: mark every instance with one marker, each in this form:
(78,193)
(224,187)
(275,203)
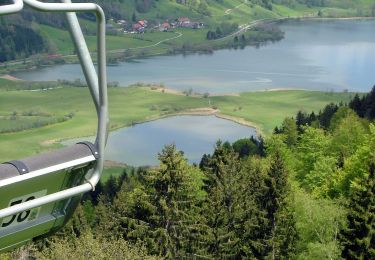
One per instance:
(318,55)
(195,135)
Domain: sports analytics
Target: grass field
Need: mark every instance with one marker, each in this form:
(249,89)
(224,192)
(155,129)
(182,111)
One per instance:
(136,104)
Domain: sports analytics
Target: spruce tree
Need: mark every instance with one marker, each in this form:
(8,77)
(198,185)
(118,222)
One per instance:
(357,105)
(175,194)
(221,206)
(251,222)
(358,239)
(281,232)
(370,104)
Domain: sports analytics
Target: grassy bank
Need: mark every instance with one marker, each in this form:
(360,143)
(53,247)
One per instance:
(133,105)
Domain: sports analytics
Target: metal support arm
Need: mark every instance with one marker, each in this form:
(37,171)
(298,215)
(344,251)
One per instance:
(12,8)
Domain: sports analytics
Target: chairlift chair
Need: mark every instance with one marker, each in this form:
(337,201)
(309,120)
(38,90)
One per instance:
(39,194)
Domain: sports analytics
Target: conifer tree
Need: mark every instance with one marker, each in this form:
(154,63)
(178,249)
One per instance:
(175,191)
(281,234)
(251,222)
(221,205)
(358,239)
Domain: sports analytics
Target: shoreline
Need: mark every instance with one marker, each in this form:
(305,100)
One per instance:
(10,77)
(251,24)
(202,111)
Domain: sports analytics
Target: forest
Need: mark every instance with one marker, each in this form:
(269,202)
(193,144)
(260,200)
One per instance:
(304,192)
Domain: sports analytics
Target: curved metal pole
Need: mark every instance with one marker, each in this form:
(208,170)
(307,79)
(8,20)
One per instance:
(12,8)
(102,109)
(83,55)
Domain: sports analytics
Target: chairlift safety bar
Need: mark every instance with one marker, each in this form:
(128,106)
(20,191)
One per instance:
(12,8)
(97,84)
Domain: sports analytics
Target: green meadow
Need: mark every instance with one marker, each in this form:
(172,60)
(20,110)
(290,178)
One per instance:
(69,112)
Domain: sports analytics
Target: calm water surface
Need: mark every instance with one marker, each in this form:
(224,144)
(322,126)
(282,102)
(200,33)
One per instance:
(195,135)
(317,55)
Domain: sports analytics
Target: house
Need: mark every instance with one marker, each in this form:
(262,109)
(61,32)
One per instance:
(164,27)
(174,24)
(143,23)
(138,28)
(183,21)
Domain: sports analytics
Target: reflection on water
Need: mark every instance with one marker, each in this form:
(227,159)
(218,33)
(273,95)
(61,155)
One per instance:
(195,135)
(316,55)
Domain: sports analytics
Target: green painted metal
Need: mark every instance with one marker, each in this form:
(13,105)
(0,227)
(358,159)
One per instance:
(44,219)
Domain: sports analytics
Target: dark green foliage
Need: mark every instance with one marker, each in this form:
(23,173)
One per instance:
(221,203)
(175,202)
(247,147)
(358,239)
(251,221)
(281,231)
(222,30)
(370,105)
(19,42)
(158,207)
(247,210)
(110,188)
(365,106)
(204,163)
(143,6)
(326,115)
(358,105)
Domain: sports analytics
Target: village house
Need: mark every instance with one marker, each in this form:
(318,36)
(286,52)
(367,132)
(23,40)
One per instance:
(183,21)
(140,26)
(174,24)
(143,23)
(164,27)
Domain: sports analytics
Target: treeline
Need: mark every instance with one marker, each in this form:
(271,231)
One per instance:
(336,145)
(19,42)
(364,106)
(222,30)
(259,35)
(332,157)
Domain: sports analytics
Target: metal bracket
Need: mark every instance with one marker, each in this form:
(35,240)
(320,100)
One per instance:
(21,167)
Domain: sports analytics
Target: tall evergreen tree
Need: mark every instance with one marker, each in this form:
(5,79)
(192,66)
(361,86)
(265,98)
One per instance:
(358,239)
(251,222)
(326,115)
(370,104)
(281,226)
(221,205)
(357,105)
(175,194)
